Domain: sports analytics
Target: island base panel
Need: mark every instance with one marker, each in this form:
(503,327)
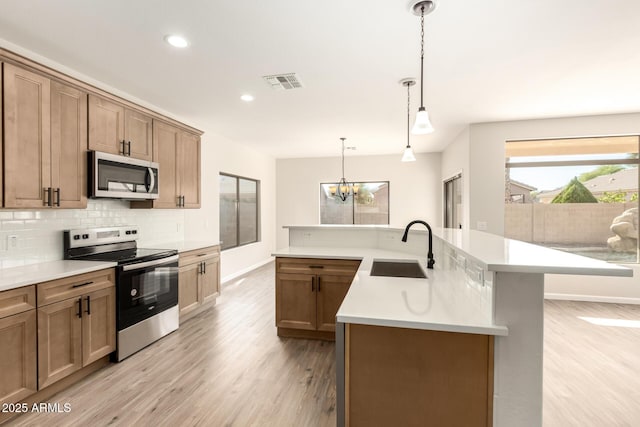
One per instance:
(412,377)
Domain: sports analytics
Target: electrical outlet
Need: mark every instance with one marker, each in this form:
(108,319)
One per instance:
(482,225)
(178,227)
(12,242)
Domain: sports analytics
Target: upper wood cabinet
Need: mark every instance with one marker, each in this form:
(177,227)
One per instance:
(27,138)
(45,142)
(178,154)
(68,146)
(115,129)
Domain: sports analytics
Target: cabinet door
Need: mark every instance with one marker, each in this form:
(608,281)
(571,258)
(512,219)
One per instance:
(18,356)
(138,130)
(210,279)
(27,139)
(296,301)
(166,140)
(331,293)
(68,146)
(106,125)
(189,172)
(59,341)
(98,325)
(188,289)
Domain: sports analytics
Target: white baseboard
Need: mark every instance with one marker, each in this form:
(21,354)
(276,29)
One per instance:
(232,276)
(593,298)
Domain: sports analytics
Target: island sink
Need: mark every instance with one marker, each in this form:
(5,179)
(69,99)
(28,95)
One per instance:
(398,268)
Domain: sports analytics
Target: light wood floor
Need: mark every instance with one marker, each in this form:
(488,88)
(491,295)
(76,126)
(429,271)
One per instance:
(227,367)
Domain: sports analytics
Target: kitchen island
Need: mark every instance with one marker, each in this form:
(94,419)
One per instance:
(431,350)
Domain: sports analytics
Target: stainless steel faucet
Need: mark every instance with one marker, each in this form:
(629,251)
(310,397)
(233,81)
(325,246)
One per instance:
(430,260)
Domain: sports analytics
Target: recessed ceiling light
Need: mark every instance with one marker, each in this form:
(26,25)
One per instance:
(177,41)
(247,98)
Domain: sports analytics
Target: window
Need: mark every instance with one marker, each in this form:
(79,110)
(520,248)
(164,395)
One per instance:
(578,195)
(239,208)
(453,202)
(371,205)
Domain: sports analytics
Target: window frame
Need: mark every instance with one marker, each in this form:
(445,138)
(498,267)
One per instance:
(258,208)
(353,205)
(581,162)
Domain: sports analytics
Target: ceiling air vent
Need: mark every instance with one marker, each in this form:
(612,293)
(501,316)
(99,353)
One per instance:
(283,81)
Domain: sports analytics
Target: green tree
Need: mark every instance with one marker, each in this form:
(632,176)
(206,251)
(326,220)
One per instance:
(614,197)
(599,171)
(575,192)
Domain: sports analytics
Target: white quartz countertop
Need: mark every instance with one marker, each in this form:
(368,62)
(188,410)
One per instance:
(440,303)
(185,246)
(496,253)
(15,277)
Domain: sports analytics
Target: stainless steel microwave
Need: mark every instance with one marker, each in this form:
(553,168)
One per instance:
(118,177)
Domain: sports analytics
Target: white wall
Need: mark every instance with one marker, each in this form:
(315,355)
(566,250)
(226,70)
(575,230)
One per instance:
(455,160)
(222,155)
(414,190)
(486,189)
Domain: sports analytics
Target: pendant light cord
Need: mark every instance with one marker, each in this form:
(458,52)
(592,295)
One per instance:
(408,111)
(342,157)
(422,56)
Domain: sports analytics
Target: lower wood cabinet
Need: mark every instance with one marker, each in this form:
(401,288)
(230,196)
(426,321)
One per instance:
(77,327)
(309,293)
(18,367)
(198,279)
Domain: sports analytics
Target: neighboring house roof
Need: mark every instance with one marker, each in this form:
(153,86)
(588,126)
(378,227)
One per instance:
(522,184)
(624,180)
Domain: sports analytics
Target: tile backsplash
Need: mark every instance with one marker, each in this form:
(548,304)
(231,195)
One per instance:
(39,233)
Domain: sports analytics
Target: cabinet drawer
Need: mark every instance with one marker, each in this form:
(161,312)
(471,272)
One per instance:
(17,300)
(204,254)
(74,286)
(340,267)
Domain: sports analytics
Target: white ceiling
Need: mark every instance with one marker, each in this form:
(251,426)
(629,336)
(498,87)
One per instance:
(485,61)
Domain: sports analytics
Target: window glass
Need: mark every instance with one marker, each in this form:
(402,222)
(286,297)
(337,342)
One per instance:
(369,206)
(583,199)
(239,211)
(248,211)
(228,212)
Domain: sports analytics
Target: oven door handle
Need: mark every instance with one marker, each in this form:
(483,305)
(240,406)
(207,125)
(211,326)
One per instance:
(140,265)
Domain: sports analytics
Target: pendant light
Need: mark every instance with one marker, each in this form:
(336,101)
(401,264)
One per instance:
(343,188)
(408,151)
(422,125)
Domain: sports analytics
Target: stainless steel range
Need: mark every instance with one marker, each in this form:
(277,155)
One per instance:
(146,283)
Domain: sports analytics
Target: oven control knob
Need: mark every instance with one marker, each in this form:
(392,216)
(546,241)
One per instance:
(76,237)
(134,231)
(134,292)
(85,236)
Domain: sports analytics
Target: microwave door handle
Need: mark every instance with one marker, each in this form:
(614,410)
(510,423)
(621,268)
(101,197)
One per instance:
(152,178)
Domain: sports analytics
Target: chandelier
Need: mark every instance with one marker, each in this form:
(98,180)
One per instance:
(343,188)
